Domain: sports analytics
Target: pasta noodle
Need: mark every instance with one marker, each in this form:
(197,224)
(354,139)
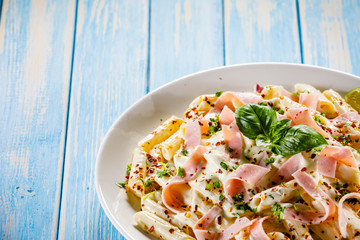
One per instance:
(269,164)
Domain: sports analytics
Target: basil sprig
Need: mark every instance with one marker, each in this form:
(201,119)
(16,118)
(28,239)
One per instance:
(260,123)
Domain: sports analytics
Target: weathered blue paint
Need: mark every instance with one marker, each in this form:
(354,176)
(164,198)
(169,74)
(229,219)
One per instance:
(35,61)
(121,52)
(186,37)
(109,74)
(331,33)
(261,31)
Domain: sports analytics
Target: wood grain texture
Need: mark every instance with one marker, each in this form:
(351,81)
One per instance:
(261,30)
(186,37)
(36,40)
(331,33)
(109,74)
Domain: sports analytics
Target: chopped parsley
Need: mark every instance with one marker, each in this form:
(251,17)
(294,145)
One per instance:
(299,197)
(278,211)
(224,165)
(148,183)
(239,197)
(208,186)
(271,196)
(317,119)
(180,172)
(296,94)
(122,184)
(218,93)
(217,184)
(214,125)
(185,152)
(166,172)
(128,169)
(269,160)
(323,114)
(317,149)
(221,197)
(236,214)
(230,149)
(347,124)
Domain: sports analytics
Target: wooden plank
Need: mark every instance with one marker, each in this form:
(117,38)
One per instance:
(109,74)
(260,31)
(36,40)
(186,37)
(331,33)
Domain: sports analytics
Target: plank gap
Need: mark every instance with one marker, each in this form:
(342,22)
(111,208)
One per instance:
(147,90)
(67,119)
(299,30)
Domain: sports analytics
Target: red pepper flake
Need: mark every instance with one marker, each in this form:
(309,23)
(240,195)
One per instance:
(171,230)
(151,229)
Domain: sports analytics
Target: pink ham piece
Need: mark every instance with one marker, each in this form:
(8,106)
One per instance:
(309,185)
(329,157)
(341,216)
(226,116)
(303,116)
(285,93)
(309,99)
(285,172)
(257,231)
(192,134)
(235,228)
(233,139)
(239,98)
(200,228)
(345,117)
(204,126)
(172,194)
(248,173)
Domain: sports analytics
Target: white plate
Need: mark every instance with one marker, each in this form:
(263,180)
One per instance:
(172,99)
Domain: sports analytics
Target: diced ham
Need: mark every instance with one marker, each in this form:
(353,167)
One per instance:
(192,134)
(172,194)
(303,116)
(248,173)
(345,117)
(341,216)
(285,172)
(257,231)
(309,99)
(235,228)
(226,116)
(201,227)
(309,185)
(233,139)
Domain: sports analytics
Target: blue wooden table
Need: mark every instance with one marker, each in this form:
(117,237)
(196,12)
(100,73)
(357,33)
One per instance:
(69,68)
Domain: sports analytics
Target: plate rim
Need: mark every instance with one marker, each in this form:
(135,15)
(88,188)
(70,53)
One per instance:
(99,194)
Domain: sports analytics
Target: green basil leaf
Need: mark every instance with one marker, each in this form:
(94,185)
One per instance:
(263,141)
(279,130)
(297,139)
(254,120)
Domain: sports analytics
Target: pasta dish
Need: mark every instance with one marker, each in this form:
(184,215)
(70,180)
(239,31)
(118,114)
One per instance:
(267,164)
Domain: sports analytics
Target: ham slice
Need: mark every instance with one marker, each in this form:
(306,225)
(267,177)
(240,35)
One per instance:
(248,173)
(286,93)
(303,116)
(200,228)
(285,172)
(345,117)
(329,157)
(232,99)
(341,216)
(309,99)
(227,116)
(309,185)
(192,134)
(172,194)
(257,231)
(233,139)
(236,227)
